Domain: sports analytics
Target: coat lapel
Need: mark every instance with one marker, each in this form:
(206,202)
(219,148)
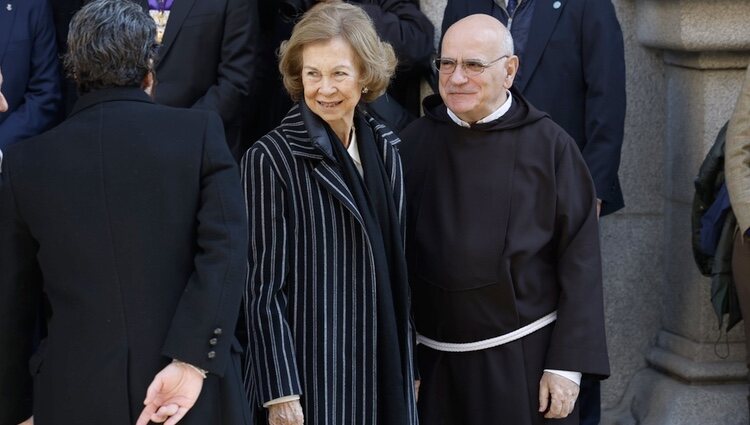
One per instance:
(543,24)
(312,142)
(177,15)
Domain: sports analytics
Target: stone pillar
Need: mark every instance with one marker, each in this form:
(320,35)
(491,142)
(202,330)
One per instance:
(694,374)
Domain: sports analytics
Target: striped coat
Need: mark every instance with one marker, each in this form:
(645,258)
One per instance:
(311,305)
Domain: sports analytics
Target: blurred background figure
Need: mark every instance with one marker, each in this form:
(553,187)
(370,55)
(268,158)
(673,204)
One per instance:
(398,22)
(328,296)
(737,173)
(206,56)
(31,71)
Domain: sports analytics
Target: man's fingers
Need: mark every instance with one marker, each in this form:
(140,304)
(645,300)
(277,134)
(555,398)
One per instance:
(153,389)
(181,412)
(543,395)
(555,407)
(164,412)
(149,410)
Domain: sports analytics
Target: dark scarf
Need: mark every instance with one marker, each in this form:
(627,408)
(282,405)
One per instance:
(374,198)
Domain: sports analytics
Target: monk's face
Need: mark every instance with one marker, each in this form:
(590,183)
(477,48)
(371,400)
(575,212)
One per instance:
(470,94)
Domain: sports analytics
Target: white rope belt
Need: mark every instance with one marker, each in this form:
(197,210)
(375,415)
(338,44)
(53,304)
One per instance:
(489,343)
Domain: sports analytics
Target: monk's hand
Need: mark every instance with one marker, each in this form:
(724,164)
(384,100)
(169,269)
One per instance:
(558,394)
(288,413)
(172,393)
(416,389)
(29,421)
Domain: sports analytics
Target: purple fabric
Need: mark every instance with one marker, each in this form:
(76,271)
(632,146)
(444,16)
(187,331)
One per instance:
(160,4)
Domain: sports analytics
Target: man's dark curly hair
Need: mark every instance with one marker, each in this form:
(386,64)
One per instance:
(111,43)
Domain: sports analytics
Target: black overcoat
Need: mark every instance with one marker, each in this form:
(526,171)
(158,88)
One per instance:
(128,219)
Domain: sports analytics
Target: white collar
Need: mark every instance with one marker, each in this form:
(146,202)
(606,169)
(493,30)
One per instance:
(499,112)
(353,151)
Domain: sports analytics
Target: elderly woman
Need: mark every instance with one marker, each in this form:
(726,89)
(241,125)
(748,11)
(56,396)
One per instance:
(330,339)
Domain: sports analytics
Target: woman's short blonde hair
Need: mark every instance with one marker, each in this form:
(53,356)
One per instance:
(325,21)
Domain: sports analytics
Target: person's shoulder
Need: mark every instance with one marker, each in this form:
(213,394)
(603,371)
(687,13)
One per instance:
(416,127)
(546,133)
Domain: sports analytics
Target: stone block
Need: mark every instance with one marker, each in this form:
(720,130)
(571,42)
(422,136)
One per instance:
(631,300)
(694,25)
(657,399)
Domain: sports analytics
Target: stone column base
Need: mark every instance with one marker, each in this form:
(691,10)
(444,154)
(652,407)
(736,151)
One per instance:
(654,398)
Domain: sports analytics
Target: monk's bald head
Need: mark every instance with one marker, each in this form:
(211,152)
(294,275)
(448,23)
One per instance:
(483,29)
(476,67)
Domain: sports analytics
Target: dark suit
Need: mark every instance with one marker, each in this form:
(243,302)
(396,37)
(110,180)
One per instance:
(573,68)
(28,60)
(129,218)
(206,60)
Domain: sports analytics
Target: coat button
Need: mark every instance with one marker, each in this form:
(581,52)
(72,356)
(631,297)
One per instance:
(211,354)
(217,331)
(213,341)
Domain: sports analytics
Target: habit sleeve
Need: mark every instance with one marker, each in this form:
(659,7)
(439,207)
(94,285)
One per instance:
(578,342)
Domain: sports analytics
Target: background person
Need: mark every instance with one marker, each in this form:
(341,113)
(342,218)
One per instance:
(329,329)
(206,57)
(737,175)
(128,217)
(28,58)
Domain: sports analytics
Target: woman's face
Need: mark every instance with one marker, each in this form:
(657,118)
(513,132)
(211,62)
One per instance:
(331,80)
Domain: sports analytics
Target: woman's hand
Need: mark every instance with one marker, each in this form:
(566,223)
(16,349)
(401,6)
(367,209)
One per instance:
(289,413)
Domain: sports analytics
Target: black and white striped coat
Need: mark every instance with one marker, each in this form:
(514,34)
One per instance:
(310,299)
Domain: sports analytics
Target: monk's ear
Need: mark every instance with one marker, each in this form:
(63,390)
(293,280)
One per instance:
(511,69)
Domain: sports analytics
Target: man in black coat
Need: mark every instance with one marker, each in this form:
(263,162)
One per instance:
(206,55)
(128,219)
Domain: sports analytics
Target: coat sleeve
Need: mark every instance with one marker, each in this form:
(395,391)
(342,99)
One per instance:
(271,348)
(237,59)
(737,158)
(20,291)
(604,74)
(406,28)
(41,104)
(203,326)
(578,340)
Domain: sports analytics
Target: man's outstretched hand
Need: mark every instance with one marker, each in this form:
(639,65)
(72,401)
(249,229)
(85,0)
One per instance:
(172,393)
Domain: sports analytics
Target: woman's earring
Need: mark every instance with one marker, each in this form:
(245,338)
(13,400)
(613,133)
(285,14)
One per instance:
(365,90)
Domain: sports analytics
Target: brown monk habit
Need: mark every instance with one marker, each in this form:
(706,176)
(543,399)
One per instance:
(501,231)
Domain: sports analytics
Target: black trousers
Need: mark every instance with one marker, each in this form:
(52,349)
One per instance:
(590,401)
